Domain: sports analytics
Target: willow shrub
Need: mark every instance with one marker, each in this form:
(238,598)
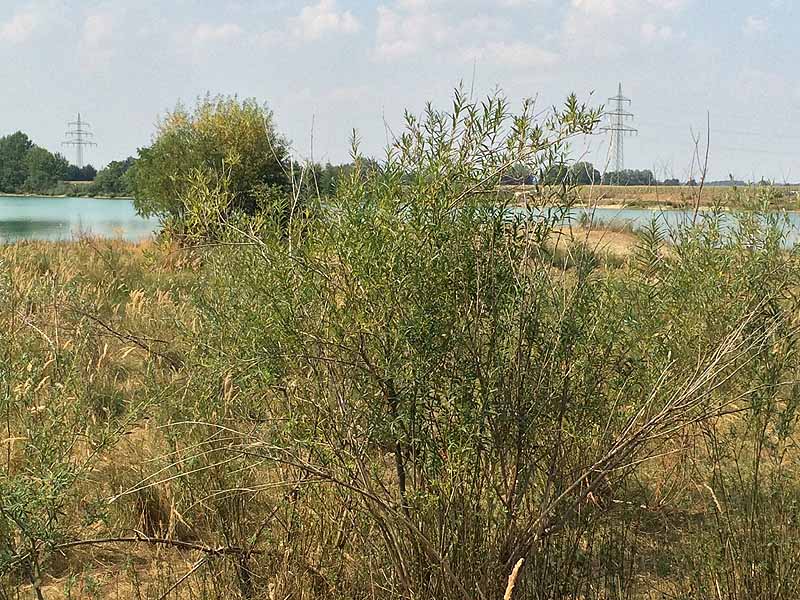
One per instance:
(436,395)
(222,142)
(408,388)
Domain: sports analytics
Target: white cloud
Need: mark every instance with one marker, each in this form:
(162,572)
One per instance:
(97,29)
(654,33)
(515,54)
(754,26)
(96,42)
(519,3)
(605,28)
(20,28)
(206,33)
(321,19)
(409,29)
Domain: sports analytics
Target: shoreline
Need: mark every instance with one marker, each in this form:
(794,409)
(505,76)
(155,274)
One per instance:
(63,196)
(669,208)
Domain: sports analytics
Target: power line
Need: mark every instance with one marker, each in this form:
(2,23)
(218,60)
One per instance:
(80,136)
(618,129)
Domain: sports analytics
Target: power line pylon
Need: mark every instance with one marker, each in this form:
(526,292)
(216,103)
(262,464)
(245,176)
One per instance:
(80,136)
(618,129)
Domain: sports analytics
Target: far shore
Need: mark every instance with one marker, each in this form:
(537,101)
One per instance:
(29,195)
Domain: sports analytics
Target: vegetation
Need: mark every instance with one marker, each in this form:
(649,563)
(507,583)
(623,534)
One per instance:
(116,179)
(629,177)
(410,388)
(25,167)
(225,145)
(686,197)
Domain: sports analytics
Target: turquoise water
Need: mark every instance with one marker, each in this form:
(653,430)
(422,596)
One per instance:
(670,220)
(60,219)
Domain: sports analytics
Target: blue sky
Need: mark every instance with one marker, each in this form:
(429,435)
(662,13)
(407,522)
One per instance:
(343,64)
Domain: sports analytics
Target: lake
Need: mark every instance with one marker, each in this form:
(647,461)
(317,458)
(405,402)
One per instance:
(668,219)
(59,219)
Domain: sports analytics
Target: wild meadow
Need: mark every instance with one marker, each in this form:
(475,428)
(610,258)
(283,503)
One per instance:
(406,389)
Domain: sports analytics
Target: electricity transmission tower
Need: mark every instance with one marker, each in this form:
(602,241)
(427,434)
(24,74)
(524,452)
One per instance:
(80,136)
(618,129)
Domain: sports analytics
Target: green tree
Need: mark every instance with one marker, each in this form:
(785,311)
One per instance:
(115,179)
(629,177)
(13,150)
(75,173)
(43,169)
(223,138)
(584,173)
(580,173)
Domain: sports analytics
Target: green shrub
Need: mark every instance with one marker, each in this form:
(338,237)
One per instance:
(222,138)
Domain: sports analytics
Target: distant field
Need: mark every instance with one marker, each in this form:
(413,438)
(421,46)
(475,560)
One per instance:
(680,196)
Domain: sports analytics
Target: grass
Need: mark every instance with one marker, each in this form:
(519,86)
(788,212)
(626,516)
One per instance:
(375,396)
(100,331)
(680,197)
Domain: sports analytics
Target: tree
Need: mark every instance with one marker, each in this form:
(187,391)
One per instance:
(222,139)
(75,173)
(24,166)
(580,173)
(329,176)
(13,149)
(43,169)
(115,179)
(584,173)
(629,177)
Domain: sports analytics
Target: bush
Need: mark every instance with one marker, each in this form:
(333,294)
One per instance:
(222,138)
(442,402)
(410,395)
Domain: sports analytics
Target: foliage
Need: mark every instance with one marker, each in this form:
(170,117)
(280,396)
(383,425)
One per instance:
(26,167)
(572,174)
(220,137)
(404,388)
(43,169)
(75,173)
(116,179)
(629,177)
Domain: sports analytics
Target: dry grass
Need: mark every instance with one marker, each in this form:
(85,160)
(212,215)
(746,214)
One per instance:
(676,197)
(143,291)
(618,244)
(680,197)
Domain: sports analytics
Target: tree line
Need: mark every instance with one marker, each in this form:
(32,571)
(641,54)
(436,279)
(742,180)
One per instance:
(26,168)
(585,173)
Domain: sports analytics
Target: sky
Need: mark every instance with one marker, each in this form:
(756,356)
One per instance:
(327,67)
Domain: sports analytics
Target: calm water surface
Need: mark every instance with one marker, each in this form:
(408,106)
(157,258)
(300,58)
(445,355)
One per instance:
(59,219)
(669,220)
(33,218)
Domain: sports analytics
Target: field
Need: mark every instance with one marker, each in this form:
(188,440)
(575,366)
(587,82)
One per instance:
(682,197)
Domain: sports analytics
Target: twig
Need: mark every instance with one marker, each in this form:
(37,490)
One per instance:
(512,579)
(188,574)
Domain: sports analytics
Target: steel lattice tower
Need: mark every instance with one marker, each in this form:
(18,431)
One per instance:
(618,129)
(80,136)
